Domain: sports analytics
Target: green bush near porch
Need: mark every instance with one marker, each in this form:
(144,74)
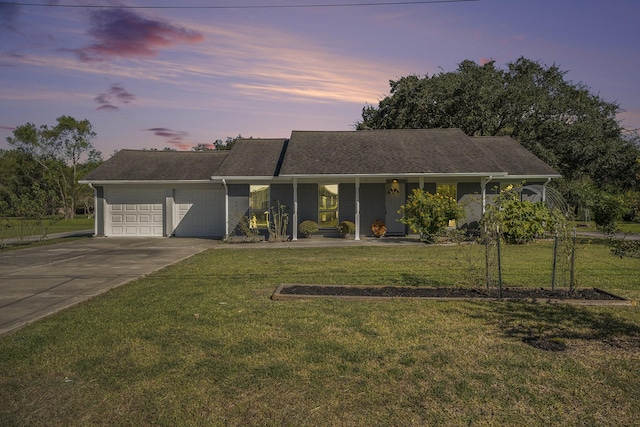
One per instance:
(429,214)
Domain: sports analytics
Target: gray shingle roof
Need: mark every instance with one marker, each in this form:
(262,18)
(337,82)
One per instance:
(139,165)
(398,151)
(371,152)
(512,157)
(252,158)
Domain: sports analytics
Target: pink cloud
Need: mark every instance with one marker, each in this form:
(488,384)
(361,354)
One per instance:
(173,137)
(115,94)
(9,128)
(122,33)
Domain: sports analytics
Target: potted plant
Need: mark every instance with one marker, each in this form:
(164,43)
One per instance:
(307,228)
(346,228)
(378,228)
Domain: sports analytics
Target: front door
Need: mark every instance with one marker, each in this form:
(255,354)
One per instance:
(395,197)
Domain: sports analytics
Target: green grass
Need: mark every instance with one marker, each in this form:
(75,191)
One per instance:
(623,226)
(10,229)
(201,343)
(76,224)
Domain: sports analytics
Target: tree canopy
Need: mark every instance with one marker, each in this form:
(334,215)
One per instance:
(560,121)
(52,160)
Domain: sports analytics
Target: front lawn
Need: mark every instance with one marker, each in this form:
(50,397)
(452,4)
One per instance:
(622,226)
(201,343)
(11,227)
(21,233)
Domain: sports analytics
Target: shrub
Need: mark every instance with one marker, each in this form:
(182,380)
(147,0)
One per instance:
(625,248)
(346,227)
(607,211)
(308,227)
(429,214)
(519,221)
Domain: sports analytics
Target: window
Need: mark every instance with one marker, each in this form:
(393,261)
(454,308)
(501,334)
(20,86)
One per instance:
(258,205)
(328,206)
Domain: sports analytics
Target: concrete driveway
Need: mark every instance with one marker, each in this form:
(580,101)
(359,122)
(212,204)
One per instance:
(37,282)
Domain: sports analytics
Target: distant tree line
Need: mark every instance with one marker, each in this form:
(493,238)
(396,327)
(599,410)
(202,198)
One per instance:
(218,144)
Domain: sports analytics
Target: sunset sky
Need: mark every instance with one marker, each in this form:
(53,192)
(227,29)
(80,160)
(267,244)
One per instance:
(148,75)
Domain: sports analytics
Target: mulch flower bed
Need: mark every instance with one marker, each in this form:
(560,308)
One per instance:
(586,294)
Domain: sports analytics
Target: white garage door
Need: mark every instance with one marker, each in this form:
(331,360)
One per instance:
(134,212)
(199,212)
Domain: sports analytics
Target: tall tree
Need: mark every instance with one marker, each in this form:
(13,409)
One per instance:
(65,152)
(20,175)
(562,122)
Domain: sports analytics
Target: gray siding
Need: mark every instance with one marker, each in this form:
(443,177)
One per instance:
(346,202)
(372,206)
(238,204)
(307,202)
(430,187)
(411,186)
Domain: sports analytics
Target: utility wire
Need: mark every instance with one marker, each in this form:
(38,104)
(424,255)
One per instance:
(281,6)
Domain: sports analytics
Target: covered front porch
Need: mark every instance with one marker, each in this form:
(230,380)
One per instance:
(328,200)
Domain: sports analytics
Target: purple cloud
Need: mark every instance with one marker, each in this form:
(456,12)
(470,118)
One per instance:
(122,33)
(173,137)
(115,94)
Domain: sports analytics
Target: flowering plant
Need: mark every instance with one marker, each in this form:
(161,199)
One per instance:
(378,228)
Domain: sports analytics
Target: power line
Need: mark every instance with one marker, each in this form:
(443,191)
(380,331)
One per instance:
(281,6)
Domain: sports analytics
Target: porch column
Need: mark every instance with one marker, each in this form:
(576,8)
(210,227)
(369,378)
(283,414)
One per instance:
(169,210)
(226,208)
(357,218)
(483,189)
(544,190)
(421,182)
(95,210)
(294,229)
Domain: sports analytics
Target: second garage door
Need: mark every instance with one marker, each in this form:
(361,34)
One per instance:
(199,212)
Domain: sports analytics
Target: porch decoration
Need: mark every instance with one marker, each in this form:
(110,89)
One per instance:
(379,228)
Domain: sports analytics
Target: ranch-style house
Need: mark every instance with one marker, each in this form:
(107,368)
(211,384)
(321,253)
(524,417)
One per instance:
(324,176)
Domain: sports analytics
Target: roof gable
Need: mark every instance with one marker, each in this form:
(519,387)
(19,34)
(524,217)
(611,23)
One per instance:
(252,158)
(513,158)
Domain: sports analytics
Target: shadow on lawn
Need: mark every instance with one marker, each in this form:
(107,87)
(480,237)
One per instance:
(563,321)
